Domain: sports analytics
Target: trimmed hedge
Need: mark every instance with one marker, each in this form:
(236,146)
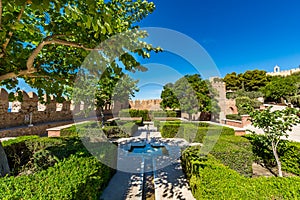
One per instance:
(59,168)
(122,129)
(209,179)
(135,113)
(233,151)
(234,117)
(289,153)
(167,113)
(74,178)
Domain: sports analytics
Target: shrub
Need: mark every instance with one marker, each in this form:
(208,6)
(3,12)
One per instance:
(231,150)
(167,113)
(241,102)
(74,178)
(37,153)
(169,130)
(234,117)
(209,179)
(62,169)
(289,153)
(135,113)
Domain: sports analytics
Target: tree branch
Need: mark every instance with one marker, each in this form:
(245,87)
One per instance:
(10,32)
(13,75)
(49,40)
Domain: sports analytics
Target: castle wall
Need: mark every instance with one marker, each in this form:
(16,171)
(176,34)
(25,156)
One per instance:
(151,104)
(278,72)
(21,111)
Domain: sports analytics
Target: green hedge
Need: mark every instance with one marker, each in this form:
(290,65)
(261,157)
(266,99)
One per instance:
(167,113)
(122,129)
(135,113)
(209,179)
(233,151)
(59,168)
(289,153)
(74,178)
(234,117)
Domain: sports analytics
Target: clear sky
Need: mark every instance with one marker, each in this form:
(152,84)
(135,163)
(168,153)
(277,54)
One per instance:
(238,35)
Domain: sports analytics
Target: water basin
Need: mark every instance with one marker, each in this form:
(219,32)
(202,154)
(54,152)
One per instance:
(148,149)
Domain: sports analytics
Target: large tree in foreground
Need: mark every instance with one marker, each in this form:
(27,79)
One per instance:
(44,42)
(275,125)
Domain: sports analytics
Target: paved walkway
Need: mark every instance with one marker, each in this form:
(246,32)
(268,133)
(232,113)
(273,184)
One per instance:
(169,179)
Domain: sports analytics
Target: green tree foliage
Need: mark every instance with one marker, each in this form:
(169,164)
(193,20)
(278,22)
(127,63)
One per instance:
(190,94)
(251,80)
(169,100)
(232,81)
(282,88)
(243,102)
(45,42)
(275,125)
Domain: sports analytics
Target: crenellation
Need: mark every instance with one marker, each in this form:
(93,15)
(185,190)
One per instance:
(31,106)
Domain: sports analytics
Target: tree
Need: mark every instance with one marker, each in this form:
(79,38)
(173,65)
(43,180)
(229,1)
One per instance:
(232,81)
(250,80)
(281,88)
(114,89)
(190,94)
(169,99)
(45,42)
(275,126)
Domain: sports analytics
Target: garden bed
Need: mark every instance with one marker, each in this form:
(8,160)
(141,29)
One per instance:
(54,168)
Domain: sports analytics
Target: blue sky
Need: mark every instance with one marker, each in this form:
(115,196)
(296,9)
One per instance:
(238,35)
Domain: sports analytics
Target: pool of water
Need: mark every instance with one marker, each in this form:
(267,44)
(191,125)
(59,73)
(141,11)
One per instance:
(148,149)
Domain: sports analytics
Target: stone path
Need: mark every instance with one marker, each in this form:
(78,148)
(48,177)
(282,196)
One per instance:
(169,179)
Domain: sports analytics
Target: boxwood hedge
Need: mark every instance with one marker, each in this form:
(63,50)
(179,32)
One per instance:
(233,151)
(56,168)
(209,179)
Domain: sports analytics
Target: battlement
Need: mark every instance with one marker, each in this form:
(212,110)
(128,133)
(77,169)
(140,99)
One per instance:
(278,72)
(148,104)
(20,112)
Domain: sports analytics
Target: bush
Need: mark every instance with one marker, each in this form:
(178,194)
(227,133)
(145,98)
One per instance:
(74,178)
(289,153)
(234,117)
(241,102)
(61,168)
(167,113)
(135,113)
(231,150)
(122,129)
(209,179)
(27,155)
(169,130)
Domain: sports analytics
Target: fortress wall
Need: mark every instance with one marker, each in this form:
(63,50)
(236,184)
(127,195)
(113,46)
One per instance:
(151,104)
(21,111)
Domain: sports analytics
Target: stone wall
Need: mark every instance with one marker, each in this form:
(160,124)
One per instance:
(278,72)
(31,109)
(227,106)
(236,123)
(151,104)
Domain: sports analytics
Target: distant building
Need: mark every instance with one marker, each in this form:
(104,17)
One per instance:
(277,71)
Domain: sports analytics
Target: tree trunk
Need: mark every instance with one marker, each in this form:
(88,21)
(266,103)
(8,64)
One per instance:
(4,168)
(274,149)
